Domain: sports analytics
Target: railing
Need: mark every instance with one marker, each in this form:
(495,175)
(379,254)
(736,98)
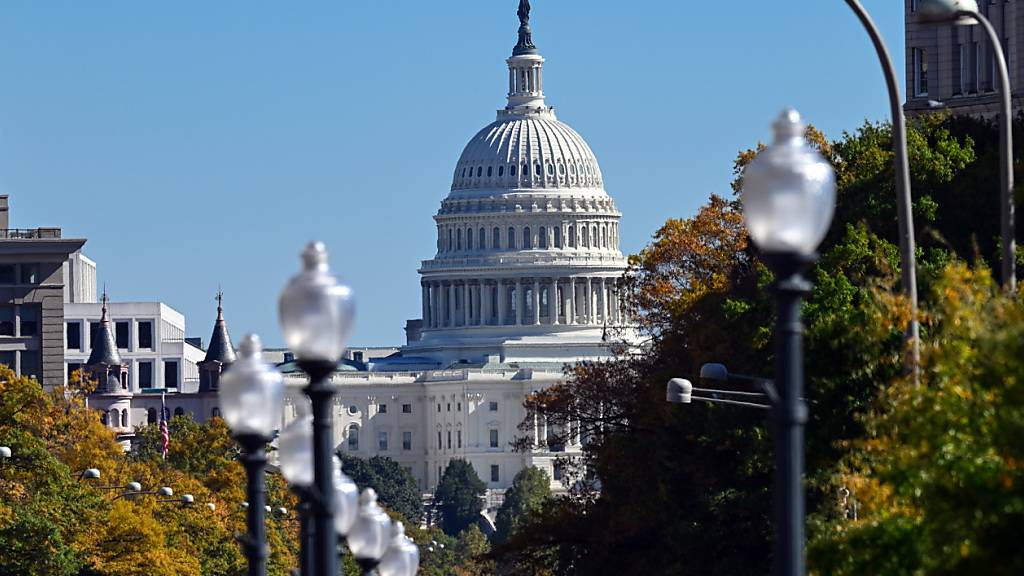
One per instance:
(29,233)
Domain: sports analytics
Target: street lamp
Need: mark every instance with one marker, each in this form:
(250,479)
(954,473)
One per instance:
(402,557)
(901,169)
(295,446)
(252,400)
(89,474)
(5,453)
(965,12)
(788,202)
(316,311)
(369,537)
(185,500)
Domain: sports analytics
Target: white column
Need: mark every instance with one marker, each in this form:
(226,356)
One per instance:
(465,303)
(536,300)
(604,302)
(435,294)
(519,301)
(536,436)
(451,304)
(485,303)
(501,302)
(553,303)
(426,305)
(544,428)
(570,310)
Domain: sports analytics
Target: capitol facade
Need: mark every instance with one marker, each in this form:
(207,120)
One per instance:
(524,281)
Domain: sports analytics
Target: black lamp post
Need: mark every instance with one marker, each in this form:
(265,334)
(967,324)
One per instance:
(252,401)
(316,312)
(788,202)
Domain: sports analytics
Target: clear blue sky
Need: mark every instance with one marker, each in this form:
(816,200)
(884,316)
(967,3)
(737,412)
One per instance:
(198,143)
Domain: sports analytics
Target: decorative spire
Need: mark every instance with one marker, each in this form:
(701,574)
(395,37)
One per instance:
(220,348)
(104,346)
(525,44)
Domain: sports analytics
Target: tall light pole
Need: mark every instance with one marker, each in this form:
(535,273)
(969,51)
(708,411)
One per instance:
(252,400)
(965,12)
(901,168)
(788,202)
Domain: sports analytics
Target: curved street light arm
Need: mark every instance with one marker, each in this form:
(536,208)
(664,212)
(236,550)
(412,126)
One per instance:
(901,166)
(1006,208)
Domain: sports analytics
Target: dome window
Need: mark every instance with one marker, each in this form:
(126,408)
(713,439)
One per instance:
(561,169)
(479,171)
(542,237)
(572,236)
(558,237)
(463,171)
(538,169)
(489,170)
(458,239)
(527,239)
(512,170)
(572,169)
(511,238)
(469,239)
(501,171)
(496,238)
(551,170)
(481,238)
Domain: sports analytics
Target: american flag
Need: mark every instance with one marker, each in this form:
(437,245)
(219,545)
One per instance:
(165,434)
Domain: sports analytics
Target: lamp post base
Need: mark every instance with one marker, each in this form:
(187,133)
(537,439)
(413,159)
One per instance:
(254,460)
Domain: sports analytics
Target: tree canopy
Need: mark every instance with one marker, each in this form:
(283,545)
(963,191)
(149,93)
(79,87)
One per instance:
(396,488)
(530,491)
(459,494)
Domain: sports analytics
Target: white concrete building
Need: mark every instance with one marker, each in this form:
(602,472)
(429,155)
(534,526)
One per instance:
(524,280)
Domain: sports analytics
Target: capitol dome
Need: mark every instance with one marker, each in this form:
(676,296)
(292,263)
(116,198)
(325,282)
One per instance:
(524,151)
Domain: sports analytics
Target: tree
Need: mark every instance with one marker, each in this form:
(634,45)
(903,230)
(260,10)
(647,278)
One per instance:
(937,482)
(395,486)
(471,554)
(460,496)
(530,491)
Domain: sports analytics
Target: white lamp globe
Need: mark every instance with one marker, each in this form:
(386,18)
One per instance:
(789,192)
(251,393)
(402,558)
(346,500)
(295,447)
(316,309)
(370,535)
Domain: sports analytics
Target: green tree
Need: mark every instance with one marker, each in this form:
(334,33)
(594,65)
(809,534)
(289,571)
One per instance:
(396,488)
(530,491)
(460,496)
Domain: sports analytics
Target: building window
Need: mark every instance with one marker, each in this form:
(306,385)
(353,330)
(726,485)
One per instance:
(920,56)
(170,374)
(382,441)
(7,358)
(496,239)
(7,274)
(458,407)
(489,171)
(179,411)
(30,364)
(512,170)
(469,238)
(72,368)
(501,171)
(572,237)
(406,408)
(511,238)
(480,239)
(458,439)
(151,416)
(94,328)
(494,437)
(449,406)
(542,237)
(146,335)
(494,473)
(353,437)
(492,406)
(439,408)
(215,413)
(438,439)
(559,471)
(527,239)
(406,440)
(382,409)
(30,273)
(458,239)
(7,320)
(73,330)
(121,331)
(145,374)
(558,237)
(449,439)
(29,320)
(124,418)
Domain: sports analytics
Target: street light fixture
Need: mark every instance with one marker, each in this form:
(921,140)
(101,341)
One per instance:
(89,474)
(252,400)
(135,489)
(295,447)
(316,311)
(965,12)
(370,535)
(788,202)
(5,453)
(402,557)
(679,391)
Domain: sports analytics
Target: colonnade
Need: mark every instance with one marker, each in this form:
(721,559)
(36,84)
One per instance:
(522,301)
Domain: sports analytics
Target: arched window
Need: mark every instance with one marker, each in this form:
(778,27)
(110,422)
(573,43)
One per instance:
(572,236)
(604,236)
(501,170)
(353,437)
(469,238)
(179,411)
(496,238)
(561,169)
(558,237)
(512,170)
(104,419)
(438,439)
(511,238)
(572,169)
(151,416)
(479,171)
(490,170)
(124,418)
(583,237)
(458,239)
(215,413)
(448,248)
(551,169)
(538,169)
(463,171)
(527,239)
(481,238)
(593,235)
(542,237)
